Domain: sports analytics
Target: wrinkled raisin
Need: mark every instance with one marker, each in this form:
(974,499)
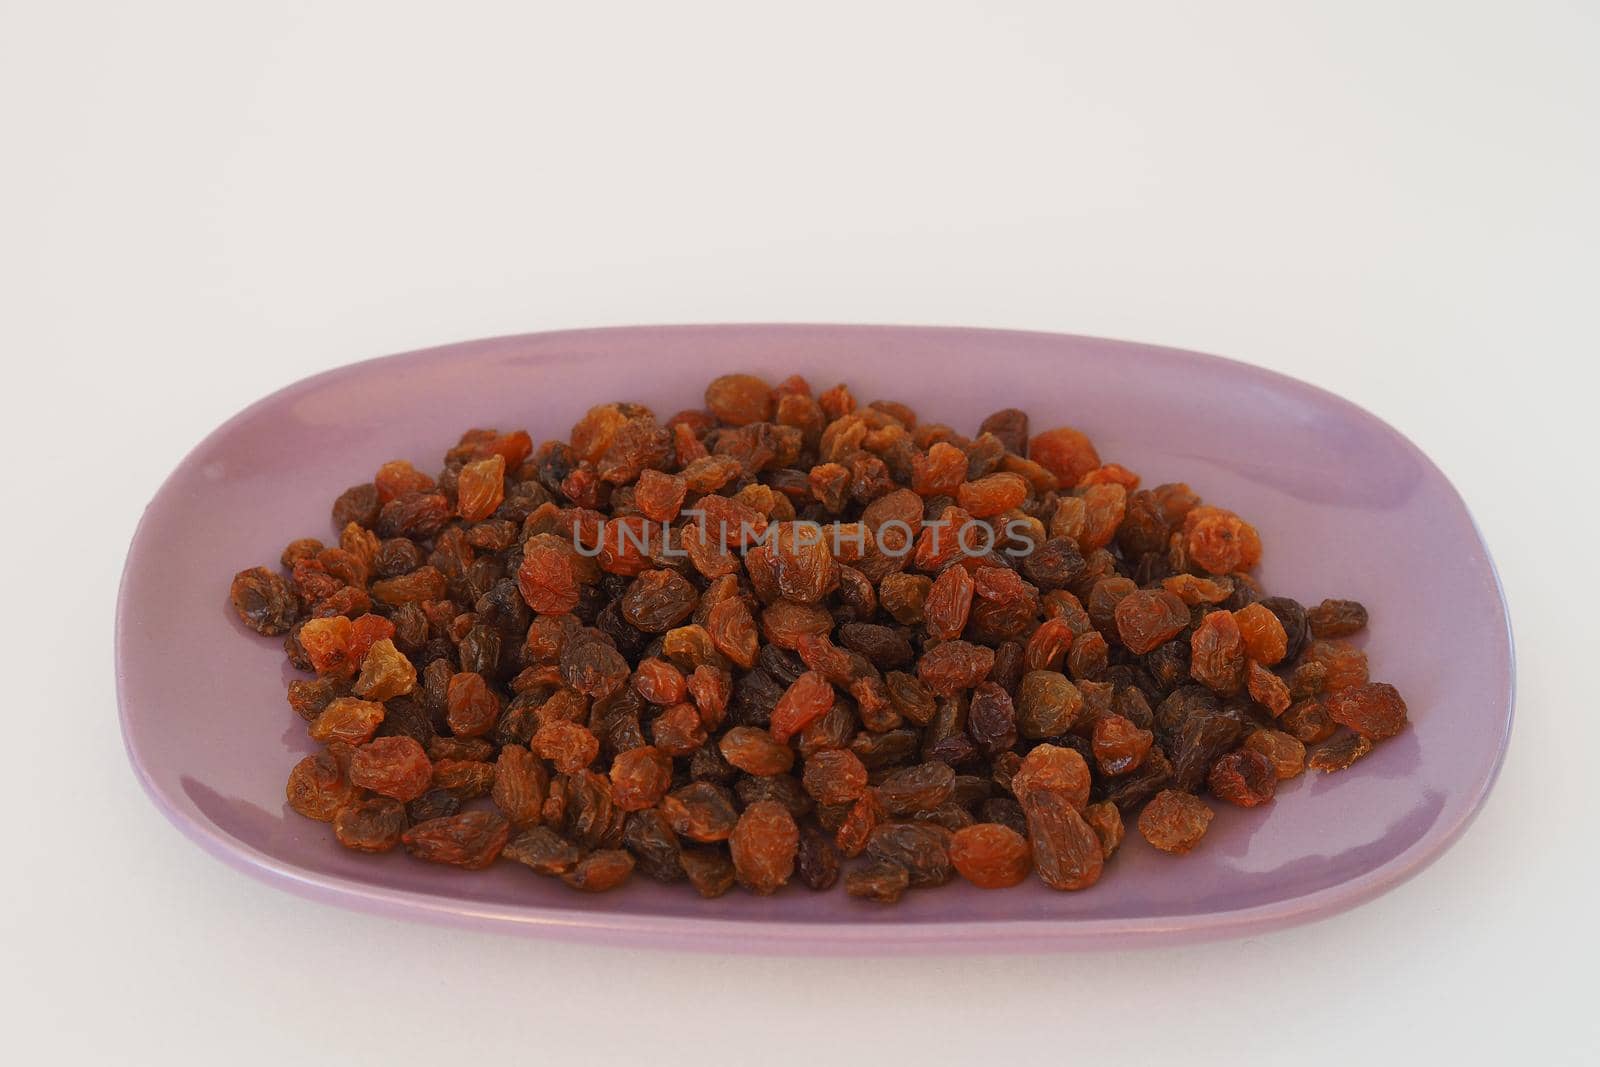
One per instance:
(1174,821)
(1375,710)
(471,840)
(1244,777)
(990,856)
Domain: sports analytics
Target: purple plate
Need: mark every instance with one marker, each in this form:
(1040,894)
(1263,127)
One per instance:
(1346,507)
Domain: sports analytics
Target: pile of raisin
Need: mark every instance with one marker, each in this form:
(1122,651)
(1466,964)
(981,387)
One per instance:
(791,637)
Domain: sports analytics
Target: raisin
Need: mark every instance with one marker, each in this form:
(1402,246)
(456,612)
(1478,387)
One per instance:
(710,871)
(940,471)
(953,666)
(948,603)
(700,811)
(1343,666)
(802,563)
(992,719)
(883,646)
(1292,617)
(327,644)
(480,488)
(432,804)
(739,399)
(592,667)
(471,839)
(1374,710)
(1286,754)
(659,600)
(600,871)
(808,699)
(733,630)
(1065,452)
(1308,721)
(1119,745)
(659,682)
(1010,426)
(1336,618)
(879,881)
(1047,704)
(1053,769)
(1089,656)
(1265,640)
(817,861)
(1174,821)
(425,583)
(1200,740)
(1066,851)
(922,787)
(466,778)
(679,730)
(1217,653)
(992,494)
(1220,541)
(543,851)
(1106,822)
(358,504)
(309,696)
(318,787)
(1339,752)
(395,767)
(990,855)
(1130,790)
(835,776)
(548,579)
(923,850)
(372,825)
(264,601)
(520,785)
(347,719)
(1147,618)
(764,844)
(904,597)
(472,707)
(1244,777)
(1266,688)
(755,751)
(386,673)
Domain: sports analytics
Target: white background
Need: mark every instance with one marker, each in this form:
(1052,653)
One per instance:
(203,202)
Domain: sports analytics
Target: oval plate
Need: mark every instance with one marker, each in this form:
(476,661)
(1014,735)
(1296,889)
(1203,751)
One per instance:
(1346,506)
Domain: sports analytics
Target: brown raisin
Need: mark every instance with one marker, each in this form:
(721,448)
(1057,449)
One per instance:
(1066,851)
(600,871)
(318,787)
(1119,746)
(395,767)
(543,851)
(372,825)
(1285,753)
(1336,618)
(879,881)
(763,845)
(1374,710)
(471,840)
(264,601)
(1244,777)
(1174,821)
(520,785)
(990,856)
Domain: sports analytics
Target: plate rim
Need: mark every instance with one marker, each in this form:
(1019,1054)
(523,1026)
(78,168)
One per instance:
(777,935)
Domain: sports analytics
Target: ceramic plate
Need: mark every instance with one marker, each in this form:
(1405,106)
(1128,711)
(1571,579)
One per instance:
(1346,507)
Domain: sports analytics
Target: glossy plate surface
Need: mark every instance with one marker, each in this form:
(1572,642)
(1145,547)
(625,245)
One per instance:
(1346,506)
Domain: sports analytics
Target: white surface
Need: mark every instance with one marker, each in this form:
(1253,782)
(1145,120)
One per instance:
(203,202)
